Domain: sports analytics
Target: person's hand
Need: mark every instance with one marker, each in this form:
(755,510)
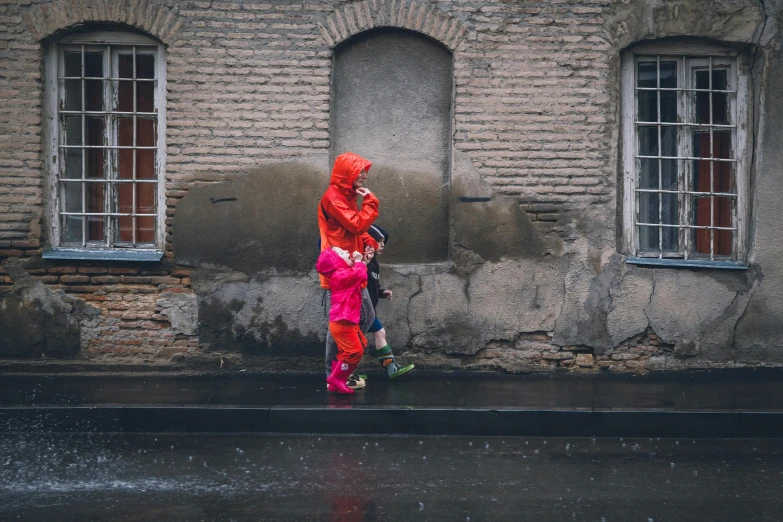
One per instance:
(387,294)
(368,255)
(363,191)
(356,256)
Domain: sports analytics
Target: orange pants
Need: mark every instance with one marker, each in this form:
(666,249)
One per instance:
(349,339)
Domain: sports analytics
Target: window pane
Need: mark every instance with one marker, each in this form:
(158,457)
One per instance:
(648,141)
(647,100)
(720,101)
(670,174)
(648,105)
(648,208)
(95,130)
(125,96)
(145,229)
(95,203)
(702,99)
(145,164)
(93,64)
(670,216)
(145,204)
(96,158)
(668,74)
(73,163)
(722,213)
(701,215)
(125,89)
(723,171)
(145,96)
(93,95)
(73,130)
(73,95)
(647,74)
(648,239)
(93,89)
(668,98)
(125,200)
(125,132)
(125,156)
(702,177)
(146,130)
(145,66)
(648,173)
(145,158)
(73,63)
(72,202)
(668,141)
(145,93)
(721,144)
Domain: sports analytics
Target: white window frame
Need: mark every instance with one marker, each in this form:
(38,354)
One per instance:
(109,41)
(689,52)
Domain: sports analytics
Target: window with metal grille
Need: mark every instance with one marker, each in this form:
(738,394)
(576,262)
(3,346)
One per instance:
(685,147)
(107,92)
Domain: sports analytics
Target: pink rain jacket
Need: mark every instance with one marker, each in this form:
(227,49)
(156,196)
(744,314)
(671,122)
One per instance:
(345,283)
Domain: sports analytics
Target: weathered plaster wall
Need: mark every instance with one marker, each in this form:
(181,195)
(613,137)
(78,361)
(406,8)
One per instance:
(534,278)
(391,102)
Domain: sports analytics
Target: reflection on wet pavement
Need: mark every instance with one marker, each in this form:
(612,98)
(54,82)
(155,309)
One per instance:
(265,477)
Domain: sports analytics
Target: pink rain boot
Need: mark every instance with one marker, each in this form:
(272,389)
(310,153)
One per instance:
(329,387)
(340,375)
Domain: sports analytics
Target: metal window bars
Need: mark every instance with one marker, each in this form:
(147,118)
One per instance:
(110,114)
(687,120)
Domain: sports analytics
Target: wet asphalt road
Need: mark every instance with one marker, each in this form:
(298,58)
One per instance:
(267,477)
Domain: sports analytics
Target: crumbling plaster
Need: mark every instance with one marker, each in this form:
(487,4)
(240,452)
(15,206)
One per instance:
(37,321)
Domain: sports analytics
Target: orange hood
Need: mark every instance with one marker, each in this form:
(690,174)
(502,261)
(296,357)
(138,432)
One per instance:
(347,167)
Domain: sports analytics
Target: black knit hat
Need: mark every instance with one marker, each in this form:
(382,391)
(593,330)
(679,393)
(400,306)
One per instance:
(379,234)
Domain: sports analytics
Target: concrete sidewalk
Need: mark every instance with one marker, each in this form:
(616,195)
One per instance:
(723,404)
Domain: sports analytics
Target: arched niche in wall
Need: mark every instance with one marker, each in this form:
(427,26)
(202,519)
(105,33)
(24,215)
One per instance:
(391,103)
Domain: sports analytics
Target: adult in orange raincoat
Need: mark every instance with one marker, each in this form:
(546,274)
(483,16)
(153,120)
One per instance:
(342,224)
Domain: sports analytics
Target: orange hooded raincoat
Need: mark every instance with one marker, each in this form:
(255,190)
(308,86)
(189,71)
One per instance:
(340,221)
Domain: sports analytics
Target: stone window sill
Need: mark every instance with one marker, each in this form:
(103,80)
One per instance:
(687,263)
(78,254)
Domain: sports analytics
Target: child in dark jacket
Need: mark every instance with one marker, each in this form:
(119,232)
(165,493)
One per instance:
(382,350)
(346,274)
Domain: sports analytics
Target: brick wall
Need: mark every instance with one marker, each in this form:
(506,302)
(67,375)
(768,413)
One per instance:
(248,83)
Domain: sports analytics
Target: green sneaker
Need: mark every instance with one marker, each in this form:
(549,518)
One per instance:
(400,370)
